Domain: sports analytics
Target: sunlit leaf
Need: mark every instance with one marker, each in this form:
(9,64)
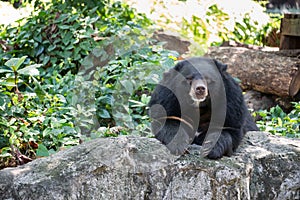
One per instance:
(30,70)
(6,71)
(15,63)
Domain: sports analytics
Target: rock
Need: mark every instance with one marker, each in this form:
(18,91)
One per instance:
(258,101)
(172,41)
(264,167)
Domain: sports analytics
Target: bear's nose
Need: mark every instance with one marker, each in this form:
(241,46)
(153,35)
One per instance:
(200,90)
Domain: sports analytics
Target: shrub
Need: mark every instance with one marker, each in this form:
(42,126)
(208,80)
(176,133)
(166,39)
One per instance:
(277,122)
(245,31)
(74,72)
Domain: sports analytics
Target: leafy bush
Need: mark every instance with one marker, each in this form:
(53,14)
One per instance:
(246,31)
(277,122)
(75,71)
(69,72)
(201,28)
(60,38)
(117,93)
(250,33)
(33,122)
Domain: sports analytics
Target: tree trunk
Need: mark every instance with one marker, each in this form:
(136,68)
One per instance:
(262,71)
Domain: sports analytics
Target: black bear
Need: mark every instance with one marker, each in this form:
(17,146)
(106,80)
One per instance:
(198,102)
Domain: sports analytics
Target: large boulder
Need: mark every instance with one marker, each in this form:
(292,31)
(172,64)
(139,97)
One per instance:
(264,167)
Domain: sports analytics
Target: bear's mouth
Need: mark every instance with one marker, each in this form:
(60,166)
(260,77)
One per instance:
(198,98)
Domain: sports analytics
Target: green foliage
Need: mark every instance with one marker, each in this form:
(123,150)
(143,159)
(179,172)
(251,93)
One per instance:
(250,33)
(124,81)
(61,37)
(246,31)
(277,122)
(75,71)
(82,4)
(13,74)
(32,120)
(69,71)
(201,28)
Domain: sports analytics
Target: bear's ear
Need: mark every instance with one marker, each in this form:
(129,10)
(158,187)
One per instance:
(169,75)
(222,67)
(179,66)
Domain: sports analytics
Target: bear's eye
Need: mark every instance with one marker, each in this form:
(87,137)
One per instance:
(189,78)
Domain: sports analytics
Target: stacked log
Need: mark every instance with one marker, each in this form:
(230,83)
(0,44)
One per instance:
(266,72)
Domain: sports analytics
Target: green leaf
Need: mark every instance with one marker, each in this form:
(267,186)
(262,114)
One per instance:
(167,63)
(39,50)
(85,45)
(46,60)
(279,121)
(73,18)
(67,38)
(15,63)
(38,36)
(40,92)
(136,104)
(62,18)
(30,70)
(108,99)
(51,47)
(8,84)
(6,70)
(42,151)
(128,86)
(64,27)
(103,113)
(145,99)
(66,54)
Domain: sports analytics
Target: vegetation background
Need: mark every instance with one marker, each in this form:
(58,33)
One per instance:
(74,70)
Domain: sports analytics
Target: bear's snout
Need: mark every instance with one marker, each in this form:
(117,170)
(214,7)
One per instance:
(198,90)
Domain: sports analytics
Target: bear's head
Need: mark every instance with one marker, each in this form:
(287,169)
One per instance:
(194,82)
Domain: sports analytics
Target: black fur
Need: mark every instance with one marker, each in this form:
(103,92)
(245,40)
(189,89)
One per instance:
(178,121)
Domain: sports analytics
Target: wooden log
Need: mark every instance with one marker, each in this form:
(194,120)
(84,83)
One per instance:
(262,71)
